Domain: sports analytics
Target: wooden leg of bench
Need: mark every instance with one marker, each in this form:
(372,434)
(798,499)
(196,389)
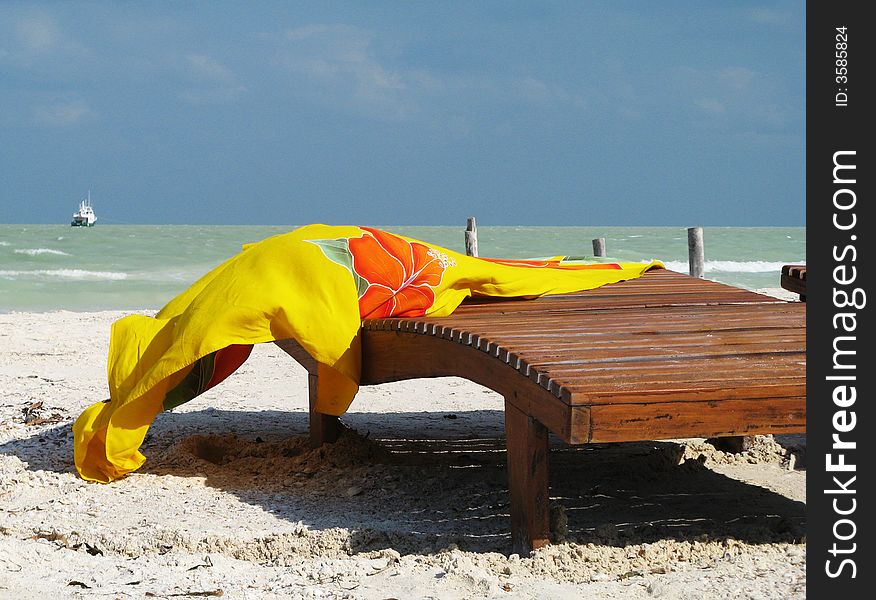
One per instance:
(324,429)
(527,442)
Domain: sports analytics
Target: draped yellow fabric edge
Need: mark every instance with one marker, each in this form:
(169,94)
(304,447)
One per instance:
(282,287)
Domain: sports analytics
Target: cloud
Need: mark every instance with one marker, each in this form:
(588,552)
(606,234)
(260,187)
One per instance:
(340,62)
(538,92)
(35,41)
(737,78)
(770,138)
(737,98)
(37,33)
(203,66)
(213,82)
(711,105)
(61,115)
(770,16)
(350,69)
(216,95)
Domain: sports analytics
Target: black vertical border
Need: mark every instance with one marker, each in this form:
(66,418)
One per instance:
(831,128)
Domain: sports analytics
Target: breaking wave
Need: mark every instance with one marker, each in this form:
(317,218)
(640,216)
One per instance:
(734,266)
(38,251)
(78,274)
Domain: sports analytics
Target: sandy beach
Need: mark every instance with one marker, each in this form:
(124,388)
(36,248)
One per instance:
(410,503)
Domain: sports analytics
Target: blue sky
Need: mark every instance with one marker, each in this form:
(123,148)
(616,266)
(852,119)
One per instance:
(391,113)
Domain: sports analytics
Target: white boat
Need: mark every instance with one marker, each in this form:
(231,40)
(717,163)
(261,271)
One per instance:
(84,217)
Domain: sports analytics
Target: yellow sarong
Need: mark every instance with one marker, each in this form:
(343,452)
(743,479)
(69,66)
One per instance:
(315,285)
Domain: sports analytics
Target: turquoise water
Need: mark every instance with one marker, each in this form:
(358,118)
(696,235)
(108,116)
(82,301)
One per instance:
(58,267)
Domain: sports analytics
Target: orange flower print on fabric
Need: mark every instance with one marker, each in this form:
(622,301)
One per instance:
(400,274)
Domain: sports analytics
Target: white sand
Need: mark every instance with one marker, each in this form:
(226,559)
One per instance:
(413,505)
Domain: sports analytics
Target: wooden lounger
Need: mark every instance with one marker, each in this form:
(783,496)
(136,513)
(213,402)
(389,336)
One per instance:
(660,357)
(794,280)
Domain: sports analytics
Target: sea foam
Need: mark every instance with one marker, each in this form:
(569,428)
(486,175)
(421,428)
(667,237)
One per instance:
(80,274)
(734,266)
(38,251)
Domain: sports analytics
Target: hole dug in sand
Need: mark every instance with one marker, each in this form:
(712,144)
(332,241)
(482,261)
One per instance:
(278,459)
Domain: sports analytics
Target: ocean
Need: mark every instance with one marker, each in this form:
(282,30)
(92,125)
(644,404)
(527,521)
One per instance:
(131,267)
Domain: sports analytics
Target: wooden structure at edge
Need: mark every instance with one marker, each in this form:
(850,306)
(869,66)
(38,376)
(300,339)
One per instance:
(660,357)
(794,280)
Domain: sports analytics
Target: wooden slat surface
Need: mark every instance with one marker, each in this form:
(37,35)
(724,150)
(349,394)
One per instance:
(664,337)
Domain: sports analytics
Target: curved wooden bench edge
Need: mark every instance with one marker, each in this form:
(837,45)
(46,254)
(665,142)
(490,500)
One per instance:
(389,355)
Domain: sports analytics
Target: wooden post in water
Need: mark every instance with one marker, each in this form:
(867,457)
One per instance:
(471,237)
(695,251)
(599,247)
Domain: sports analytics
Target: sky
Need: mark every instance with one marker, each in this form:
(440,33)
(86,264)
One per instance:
(404,113)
